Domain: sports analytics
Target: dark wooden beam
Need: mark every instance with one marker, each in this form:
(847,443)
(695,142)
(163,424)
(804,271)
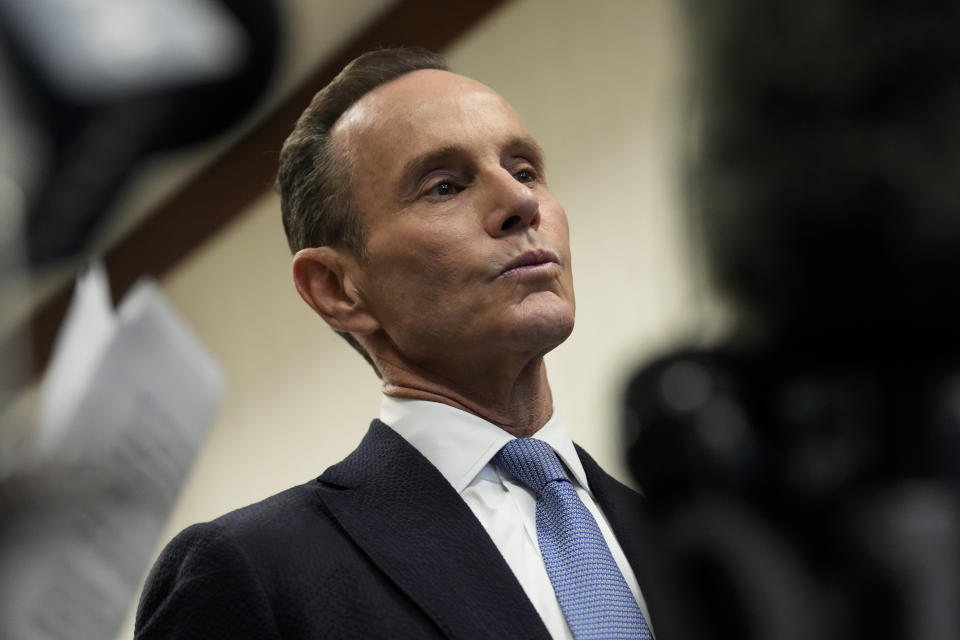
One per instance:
(216,195)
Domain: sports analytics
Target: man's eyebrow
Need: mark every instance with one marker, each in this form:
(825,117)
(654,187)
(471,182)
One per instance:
(527,146)
(417,166)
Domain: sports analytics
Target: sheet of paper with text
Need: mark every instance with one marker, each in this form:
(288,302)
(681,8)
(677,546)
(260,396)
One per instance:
(127,401)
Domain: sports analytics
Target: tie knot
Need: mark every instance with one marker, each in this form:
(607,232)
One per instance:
(530,461)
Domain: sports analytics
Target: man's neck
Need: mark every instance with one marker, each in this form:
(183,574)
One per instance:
(520,404)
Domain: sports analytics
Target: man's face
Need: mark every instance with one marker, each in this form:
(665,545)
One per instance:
(467,251)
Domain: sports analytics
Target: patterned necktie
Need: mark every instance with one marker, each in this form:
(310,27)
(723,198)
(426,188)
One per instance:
(593,594)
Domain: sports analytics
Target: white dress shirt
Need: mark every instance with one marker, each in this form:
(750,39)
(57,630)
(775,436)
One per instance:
(461,445)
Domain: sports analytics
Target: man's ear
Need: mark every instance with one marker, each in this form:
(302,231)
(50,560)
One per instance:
(323,277)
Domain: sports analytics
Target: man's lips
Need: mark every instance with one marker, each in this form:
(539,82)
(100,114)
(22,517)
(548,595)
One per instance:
(530,260)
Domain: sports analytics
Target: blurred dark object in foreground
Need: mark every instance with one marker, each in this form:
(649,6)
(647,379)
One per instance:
(103,84)
(803,477)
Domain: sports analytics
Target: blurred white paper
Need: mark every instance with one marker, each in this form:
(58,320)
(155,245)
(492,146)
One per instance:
(127,402)
(86,332)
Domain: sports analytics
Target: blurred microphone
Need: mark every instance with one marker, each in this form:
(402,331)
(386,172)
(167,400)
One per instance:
(803,474)
(93,86)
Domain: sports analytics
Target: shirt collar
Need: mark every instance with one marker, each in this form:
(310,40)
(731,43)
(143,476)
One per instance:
(461,444)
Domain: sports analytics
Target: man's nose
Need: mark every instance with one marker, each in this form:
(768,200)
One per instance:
(514,206)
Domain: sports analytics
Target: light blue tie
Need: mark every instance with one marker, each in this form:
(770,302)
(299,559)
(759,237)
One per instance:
(592,592)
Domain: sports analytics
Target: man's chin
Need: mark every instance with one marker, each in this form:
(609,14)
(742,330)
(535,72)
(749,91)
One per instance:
(544,330)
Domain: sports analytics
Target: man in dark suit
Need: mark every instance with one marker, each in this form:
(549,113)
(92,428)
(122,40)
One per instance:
(424,233)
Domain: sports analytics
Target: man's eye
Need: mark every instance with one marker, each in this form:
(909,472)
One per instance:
(524,175)
(443,189)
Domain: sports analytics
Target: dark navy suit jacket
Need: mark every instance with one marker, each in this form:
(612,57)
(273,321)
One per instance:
(380,546)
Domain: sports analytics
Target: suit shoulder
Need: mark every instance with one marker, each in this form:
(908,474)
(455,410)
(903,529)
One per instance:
(201,586)
(243,564)
(245,529)
(273,527)
(291,504)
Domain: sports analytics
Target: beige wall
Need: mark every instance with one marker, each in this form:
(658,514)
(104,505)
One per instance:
(598,84)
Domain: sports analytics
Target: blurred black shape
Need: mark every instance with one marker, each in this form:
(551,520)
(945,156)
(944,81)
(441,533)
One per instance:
(827,181)
(101,116)
(803,476)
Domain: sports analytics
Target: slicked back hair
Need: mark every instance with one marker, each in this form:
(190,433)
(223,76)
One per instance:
(314,176)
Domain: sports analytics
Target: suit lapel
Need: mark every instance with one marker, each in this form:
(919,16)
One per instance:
(623,508)
(411,523)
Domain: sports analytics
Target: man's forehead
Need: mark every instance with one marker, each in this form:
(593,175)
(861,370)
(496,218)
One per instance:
(410,94)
